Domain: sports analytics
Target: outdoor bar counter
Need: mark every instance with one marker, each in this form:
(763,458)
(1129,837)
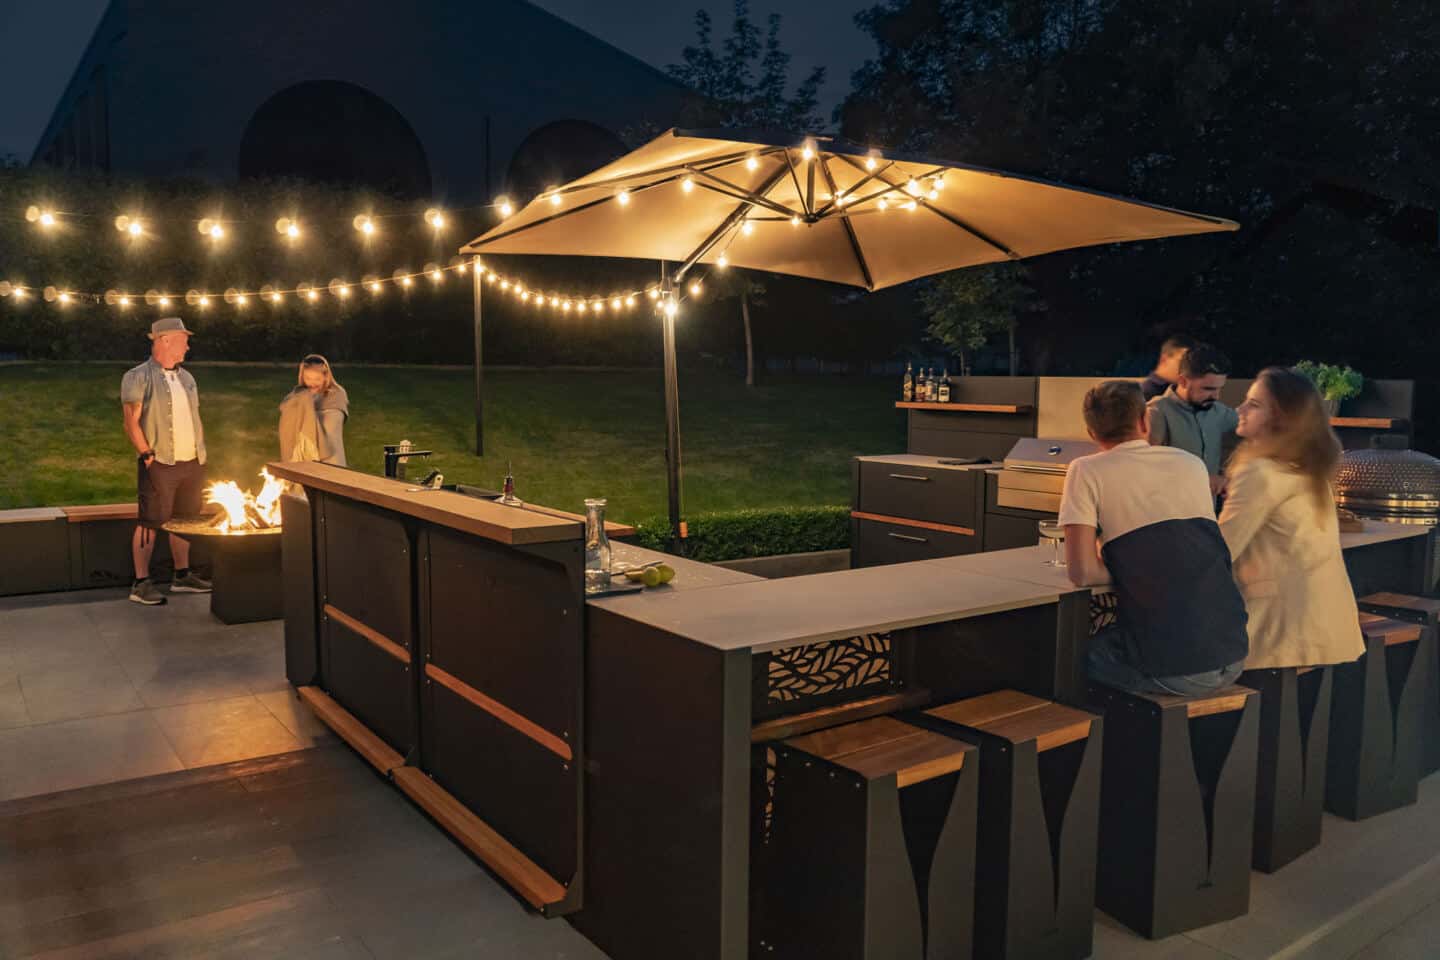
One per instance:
(449,640)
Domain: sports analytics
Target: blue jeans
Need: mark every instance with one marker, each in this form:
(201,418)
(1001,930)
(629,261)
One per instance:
(1109,664)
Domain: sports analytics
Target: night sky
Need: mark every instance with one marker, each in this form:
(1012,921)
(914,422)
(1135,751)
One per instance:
(43,41)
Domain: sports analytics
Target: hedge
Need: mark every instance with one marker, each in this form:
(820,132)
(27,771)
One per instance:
(760,532)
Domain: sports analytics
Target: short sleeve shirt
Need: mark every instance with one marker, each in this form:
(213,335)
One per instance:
(1178,604)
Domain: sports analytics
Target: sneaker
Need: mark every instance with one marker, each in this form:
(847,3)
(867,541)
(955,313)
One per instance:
(145,591)
(189,583)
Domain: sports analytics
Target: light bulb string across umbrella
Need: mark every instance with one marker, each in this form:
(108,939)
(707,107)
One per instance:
(813,207)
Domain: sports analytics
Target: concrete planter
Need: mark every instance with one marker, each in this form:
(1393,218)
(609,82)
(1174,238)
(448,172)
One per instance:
(791,564)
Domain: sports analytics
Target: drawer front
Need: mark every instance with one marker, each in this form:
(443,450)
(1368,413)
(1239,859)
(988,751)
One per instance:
(1004,533)
(879,543)
(933,494)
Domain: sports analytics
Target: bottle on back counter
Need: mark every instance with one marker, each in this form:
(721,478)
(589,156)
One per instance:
(944,395)
(921,385)
(929,385)
(907,386)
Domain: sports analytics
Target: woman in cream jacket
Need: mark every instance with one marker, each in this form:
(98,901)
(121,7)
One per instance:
(1280,523)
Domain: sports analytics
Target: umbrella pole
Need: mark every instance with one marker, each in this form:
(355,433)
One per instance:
(479,371)
(672,414)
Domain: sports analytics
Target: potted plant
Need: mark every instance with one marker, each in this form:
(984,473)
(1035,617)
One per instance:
(1336,384)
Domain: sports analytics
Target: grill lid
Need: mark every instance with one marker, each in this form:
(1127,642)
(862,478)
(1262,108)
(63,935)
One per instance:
(1389,481)
(1042,455)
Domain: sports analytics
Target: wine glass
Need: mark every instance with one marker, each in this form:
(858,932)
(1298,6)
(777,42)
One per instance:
(1052,531)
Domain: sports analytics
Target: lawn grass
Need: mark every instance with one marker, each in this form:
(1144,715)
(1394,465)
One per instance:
(569,434)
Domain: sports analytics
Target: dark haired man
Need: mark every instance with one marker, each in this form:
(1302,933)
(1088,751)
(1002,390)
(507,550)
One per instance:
(1167,368)
(1180,624)
(1189,415)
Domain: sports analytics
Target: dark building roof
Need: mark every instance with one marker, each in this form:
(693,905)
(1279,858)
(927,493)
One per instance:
(451,98)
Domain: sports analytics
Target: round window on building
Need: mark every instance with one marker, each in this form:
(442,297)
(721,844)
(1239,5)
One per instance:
(559,152)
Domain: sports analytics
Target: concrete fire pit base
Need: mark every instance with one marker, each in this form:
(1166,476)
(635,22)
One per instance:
(246,571)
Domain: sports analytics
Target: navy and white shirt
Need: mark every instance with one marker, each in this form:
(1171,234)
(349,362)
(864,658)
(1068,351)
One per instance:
(1179,608)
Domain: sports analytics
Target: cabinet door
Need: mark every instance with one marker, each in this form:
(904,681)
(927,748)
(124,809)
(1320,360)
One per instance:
(935,494)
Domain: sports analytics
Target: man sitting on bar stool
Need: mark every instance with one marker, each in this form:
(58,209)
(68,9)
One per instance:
(1180,627)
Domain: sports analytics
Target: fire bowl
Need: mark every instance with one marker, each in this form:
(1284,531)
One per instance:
(245,567)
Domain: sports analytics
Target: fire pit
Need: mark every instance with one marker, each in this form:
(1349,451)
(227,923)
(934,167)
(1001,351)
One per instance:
(244,542)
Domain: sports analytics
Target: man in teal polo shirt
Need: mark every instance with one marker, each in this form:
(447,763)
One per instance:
(161,408)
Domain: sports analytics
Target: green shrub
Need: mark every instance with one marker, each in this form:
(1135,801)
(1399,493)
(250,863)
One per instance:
(737,534)
(1333,382)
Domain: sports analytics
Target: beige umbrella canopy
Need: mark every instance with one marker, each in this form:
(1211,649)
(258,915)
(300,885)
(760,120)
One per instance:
(820,208)
(811,207)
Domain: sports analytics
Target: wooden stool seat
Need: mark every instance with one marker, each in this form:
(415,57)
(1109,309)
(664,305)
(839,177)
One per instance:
(870,851)
(1392,632)
(1403,606)
(1177,809)
(1019,717)
(792,725)
(1039,810)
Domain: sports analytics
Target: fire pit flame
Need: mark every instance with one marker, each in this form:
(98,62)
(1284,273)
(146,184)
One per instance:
(244,511)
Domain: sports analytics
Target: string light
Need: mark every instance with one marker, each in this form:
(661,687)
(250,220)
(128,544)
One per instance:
(45,218)
(124,301)
(164,301)
(435,217)
(807,152)
(695,288)
(653,293)
(747,228)
(913,187)
(615,304)
(554,195)
(623,197)
(504,205)
(751,163)
(687,184)
(64,298)
(671,308)
(364,223)
(872,160)
(722,261)
(883,204)
(375,286)
(795,220)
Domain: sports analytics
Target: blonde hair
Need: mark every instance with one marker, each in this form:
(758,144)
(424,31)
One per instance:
(1299,437)
(315,361)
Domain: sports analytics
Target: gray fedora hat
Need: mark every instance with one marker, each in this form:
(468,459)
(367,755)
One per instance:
(169,325)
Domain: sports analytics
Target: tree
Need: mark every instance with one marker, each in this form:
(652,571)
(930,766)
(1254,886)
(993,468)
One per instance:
(967,307)
(743,86)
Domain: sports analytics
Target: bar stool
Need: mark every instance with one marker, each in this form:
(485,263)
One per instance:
(872,845)
(1293,745)
(1177,807)
(1377,718)
(1426,612)
(1039,823)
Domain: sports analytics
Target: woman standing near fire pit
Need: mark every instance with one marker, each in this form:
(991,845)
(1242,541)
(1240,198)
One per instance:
(313,415)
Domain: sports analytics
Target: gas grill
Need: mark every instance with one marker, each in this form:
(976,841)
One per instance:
(1033,474)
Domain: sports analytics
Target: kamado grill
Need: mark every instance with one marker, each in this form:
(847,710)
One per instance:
(1398,486)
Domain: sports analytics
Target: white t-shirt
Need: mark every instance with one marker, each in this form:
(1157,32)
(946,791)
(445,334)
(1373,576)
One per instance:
(183,426)
(1133,485)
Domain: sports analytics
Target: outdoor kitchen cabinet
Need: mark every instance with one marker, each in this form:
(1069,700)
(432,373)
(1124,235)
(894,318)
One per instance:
(911,507)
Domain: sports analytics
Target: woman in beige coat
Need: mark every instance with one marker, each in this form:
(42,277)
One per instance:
(1280,523)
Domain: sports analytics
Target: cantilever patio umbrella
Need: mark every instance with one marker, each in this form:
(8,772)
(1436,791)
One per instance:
(812,207)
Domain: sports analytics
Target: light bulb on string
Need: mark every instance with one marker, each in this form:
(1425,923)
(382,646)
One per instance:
(375,286)
(747,228)
(20,293)
(505,206)
(912,187)
(47,219)
(435,217)
(751,163)
(242,301)
(630,300)
(671,308)
(581,306)
(883,204)
(722,261)
(615,304)
(688,184)
(124,302)
(204,301)
(64,297)
(623,197)
(695,288)
(364,223)
(164,301)
(554,301)
(653,293)
(807,152)
(555,198)
(795,220)
(565,306)
(872,160)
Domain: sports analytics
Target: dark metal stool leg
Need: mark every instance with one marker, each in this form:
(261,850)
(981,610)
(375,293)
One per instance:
(1292,750)
(1375,731)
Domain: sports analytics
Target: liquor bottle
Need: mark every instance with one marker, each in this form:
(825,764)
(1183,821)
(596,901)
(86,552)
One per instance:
(929,386)
(907,387)
(944,396)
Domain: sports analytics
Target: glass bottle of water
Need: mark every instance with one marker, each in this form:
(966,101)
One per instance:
(597,547)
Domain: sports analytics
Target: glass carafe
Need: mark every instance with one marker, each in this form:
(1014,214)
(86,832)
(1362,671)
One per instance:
(597,547)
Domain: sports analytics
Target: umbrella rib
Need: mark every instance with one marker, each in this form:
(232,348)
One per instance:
(977,234)
(720,161)
(834,200)
(758,198)
(709,242)
(795,179)
(849,228)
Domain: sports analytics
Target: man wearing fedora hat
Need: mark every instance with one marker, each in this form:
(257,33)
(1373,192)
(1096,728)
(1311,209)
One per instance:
(162,422)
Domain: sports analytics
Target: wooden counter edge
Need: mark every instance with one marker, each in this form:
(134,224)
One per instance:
(511,536)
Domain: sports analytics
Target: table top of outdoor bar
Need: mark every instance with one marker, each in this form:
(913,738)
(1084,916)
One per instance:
(525,524)
(774,614)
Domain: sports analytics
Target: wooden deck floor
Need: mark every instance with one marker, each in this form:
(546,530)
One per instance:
(303,855)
